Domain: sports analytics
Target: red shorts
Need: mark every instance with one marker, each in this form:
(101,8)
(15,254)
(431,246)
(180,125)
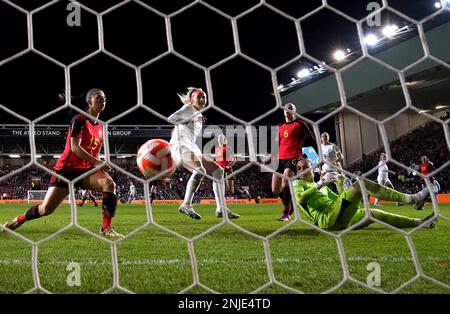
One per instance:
(69,175)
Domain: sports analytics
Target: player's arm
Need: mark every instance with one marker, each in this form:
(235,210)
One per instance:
(340,157)
(304,196)
(333,195)
(267,159)
(75,147)
(181,114)
(438,185)
(231,158)
(308,137)
(301,194)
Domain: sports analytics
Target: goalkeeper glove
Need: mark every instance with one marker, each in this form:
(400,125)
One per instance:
(330,177)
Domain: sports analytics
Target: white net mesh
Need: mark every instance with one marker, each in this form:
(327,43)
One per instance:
(191,242)
(35,195)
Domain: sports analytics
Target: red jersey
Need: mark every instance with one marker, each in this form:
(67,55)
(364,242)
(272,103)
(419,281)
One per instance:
(425,168)
(221,157)
(290,137)
(91,135)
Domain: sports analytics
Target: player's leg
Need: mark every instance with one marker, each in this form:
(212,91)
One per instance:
(348,213)
(380,182)
(389,184)
(83,199)
(130,197)
(248,195)
(102,181)
(217,173)
(53,198)
(395,220)
(286,195)
(229,184)
(92,198)
(192,163)
(152,192)
(276,185)
(341,212)
(376,190)
(340,184)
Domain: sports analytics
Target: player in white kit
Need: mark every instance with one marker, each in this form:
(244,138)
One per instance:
(131,193)
(383,176)
(436,188)
(185,152)
(333,156)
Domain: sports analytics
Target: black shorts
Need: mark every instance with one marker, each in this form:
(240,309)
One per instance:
(290,163)
(69,175)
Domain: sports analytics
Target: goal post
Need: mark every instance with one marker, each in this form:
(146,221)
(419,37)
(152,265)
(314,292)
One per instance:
(35,195)
(39,196)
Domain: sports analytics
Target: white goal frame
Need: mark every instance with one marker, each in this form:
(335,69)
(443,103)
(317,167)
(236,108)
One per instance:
(29,192)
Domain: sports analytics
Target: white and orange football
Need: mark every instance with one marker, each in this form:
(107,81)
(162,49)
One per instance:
(154,157)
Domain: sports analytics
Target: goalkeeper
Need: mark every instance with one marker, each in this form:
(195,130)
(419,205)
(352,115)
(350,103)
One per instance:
(328,210)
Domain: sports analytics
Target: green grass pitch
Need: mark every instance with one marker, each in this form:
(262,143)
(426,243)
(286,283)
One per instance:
(229,261)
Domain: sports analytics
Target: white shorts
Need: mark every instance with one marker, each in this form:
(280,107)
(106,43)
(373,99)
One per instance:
(179,150)
(384,180)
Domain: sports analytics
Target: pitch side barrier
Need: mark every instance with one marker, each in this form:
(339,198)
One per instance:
(442,199)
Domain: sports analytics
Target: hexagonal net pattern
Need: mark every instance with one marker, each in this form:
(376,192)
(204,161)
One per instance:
(207,70)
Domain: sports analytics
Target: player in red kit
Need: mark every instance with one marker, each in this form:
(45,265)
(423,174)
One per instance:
(225,158)
(425,167)
(81,154)
(292,134)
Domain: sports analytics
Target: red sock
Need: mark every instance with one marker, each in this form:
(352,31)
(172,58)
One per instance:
(286,210)
(106,222)
(21,219)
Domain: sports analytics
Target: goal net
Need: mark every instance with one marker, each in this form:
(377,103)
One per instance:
(35,195)
(336,72)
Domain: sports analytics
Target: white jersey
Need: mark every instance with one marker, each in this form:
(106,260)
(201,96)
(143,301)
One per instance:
(383,170)
(436,187)
(184,135)
(383,173)
(132,189)
(331,155)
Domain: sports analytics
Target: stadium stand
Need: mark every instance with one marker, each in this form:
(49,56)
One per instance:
(426,140)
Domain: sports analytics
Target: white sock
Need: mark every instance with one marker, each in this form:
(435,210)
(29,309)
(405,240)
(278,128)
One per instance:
(217,194)
(192,186)
(218,188)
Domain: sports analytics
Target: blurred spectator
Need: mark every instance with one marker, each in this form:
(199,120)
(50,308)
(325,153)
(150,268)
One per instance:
(426,140)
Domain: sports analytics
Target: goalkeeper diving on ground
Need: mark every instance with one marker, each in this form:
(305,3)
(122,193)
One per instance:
(328,210)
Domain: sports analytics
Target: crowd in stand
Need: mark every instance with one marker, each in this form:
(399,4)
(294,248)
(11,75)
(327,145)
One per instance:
(426,140)
(33,178)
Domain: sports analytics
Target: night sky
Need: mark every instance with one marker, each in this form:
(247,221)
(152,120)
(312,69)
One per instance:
(30,83)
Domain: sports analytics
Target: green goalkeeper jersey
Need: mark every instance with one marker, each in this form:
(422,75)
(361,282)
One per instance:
(312,201)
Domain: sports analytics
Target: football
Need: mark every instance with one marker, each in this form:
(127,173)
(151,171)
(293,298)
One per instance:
(154,157)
